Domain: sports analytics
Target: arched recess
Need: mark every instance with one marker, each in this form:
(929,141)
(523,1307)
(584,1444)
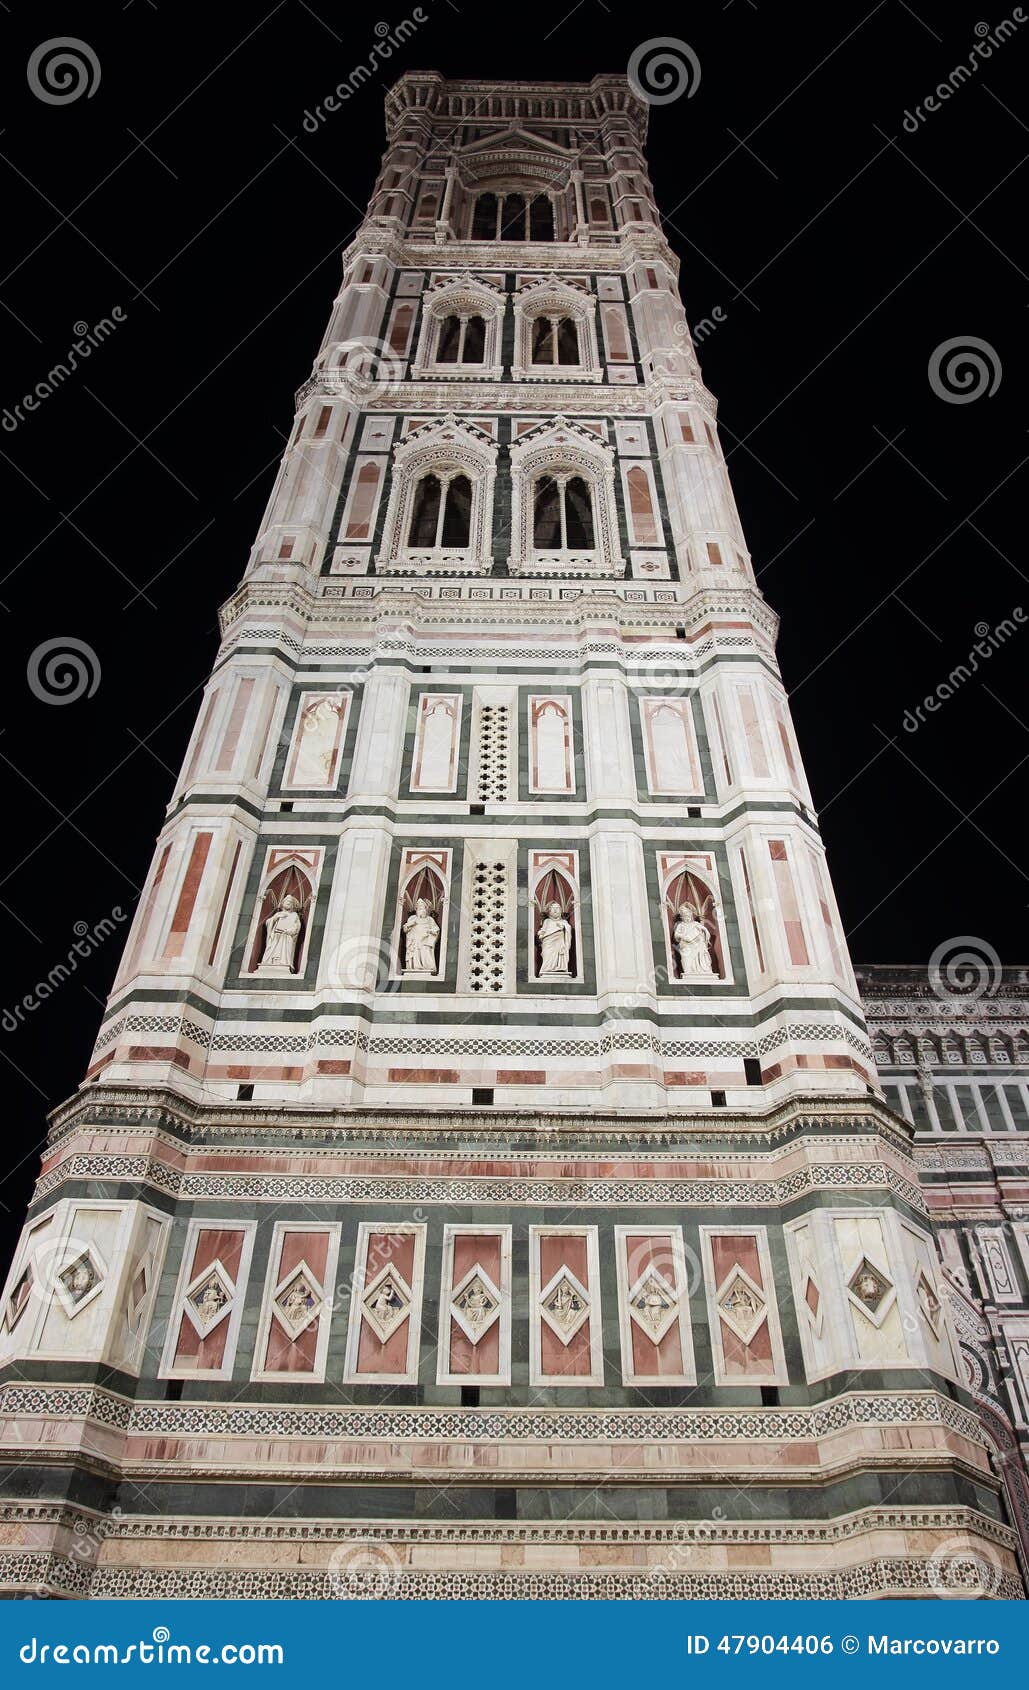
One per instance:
(573,469)
(686,886)
(540,308)
(459,455)
(287,877)
(449,354)
(555,899)
(423,880)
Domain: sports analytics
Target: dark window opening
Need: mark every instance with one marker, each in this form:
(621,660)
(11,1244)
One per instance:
(482,1095)
(469,1396)
(474,341)
(718,1100)
(567,342)
(244,1094)
(541,219)
(578,514)
(449,341)
(512,218)
(484,222)
(457,515)
(425,513)
(505,1505)
(752,1071)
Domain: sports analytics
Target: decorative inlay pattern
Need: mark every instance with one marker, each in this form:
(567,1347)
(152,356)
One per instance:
(690,1425)
(494,748)
(488,922)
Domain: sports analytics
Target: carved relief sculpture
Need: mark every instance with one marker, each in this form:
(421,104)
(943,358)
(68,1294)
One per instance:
(281,933)
(555,942)
(421,930)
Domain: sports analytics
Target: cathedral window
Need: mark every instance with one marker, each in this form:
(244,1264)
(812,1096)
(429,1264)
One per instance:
(460,330)
(441,513)
(562,514)
(462,340)
(441,499)
(555,340)
(555,333)
(513,216)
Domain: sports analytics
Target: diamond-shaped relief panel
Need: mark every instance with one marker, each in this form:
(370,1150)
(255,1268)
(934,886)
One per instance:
(297,1302)
(565,1305)
(386,1303)
(741,1305)
(868,1286)
(475,1304)
(208,1300)
(653,1304)
(80,1281)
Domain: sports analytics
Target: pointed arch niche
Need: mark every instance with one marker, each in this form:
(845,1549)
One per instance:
(440,514)
(424,878)
(554,886)
(462,321)
(692,882)
(563,515)
(288,874)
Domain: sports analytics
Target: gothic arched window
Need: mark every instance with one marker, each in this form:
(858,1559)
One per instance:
(555,340)
(448,349)
(441,512)
(562,514)
(462,340)
(457,512)
(425,512)
(474,349)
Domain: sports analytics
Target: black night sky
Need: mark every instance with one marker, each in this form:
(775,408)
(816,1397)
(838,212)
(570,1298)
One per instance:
(834,233)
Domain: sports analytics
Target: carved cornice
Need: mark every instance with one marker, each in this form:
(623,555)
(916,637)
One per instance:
(613,604)
(400,397)
(135,1105)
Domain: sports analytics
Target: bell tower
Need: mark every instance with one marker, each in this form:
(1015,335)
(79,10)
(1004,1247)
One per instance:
(482,1142)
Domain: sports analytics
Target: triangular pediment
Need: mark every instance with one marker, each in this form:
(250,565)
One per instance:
(517,140)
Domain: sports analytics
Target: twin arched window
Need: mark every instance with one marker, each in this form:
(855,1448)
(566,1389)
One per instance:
(462,340)
(513,217)
(555,340)
(562,514)
(441,512)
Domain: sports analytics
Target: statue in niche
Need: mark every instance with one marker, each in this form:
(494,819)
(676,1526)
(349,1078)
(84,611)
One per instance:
(555,937)
(693,943)
(421,930)
(281,932)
